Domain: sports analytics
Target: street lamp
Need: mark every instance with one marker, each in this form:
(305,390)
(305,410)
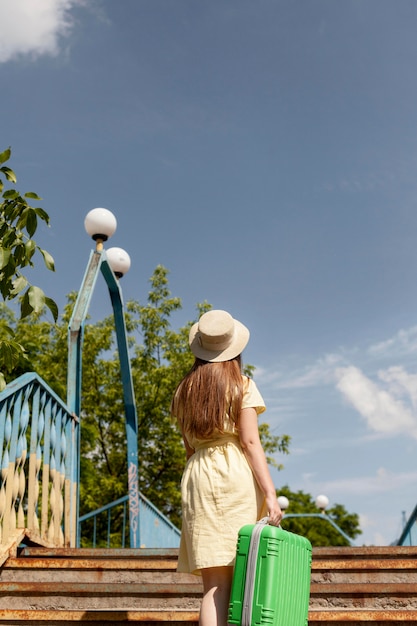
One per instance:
(322,502)
(101,224)
(119,261)
(283,503)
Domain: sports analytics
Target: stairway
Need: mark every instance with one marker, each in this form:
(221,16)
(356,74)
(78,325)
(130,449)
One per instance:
(45,587)
(368,585)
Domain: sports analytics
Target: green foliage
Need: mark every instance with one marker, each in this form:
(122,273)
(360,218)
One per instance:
(18,224)
(273,444)
(319,531)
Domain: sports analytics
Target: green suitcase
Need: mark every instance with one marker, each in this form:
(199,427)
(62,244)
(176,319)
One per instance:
(271,579)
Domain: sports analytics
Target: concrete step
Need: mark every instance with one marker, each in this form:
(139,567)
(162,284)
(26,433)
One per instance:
(188,618)
(186,596)
(365,565)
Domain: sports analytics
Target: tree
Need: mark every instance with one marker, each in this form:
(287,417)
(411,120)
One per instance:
(318,531)
(159,358)
(18,224)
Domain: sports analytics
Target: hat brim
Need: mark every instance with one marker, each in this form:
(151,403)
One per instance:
(239,341)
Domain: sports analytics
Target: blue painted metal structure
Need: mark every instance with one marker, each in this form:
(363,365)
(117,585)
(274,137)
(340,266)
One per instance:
(39,457)
(156,530)
(325,517)
(408,536)
(98,261)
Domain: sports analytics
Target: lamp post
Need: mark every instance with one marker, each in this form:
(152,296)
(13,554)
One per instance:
(322,503)
(101,224)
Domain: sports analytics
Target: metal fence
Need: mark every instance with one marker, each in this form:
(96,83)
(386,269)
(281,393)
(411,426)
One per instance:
(108,526)
(38,448)
(409,534)
(39,464)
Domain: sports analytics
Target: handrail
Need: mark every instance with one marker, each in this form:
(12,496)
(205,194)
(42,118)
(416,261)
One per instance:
(408,536)
(156,530)
(98,261)
(325,517)
(38,461)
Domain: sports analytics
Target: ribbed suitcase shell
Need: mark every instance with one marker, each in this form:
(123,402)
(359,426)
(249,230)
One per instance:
(271,583)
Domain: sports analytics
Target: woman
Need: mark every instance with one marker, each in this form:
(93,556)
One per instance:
(226,482)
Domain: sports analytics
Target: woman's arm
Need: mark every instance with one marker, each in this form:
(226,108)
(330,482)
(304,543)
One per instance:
(252,448)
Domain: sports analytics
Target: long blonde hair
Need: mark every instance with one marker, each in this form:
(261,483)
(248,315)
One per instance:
(208,393)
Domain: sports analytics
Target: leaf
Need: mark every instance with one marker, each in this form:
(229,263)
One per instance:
(36,298)
(31,222)
(33,195)
(11,194)
(4,257)
(52,306)
(10,353)
(25,306)
(8,330)
(42,214)
(49,261)
(2,382)
(18,285)
(30,247)
(19,255)
(5,156)
(9,174)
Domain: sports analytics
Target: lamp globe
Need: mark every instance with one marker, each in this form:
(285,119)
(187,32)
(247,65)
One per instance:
(100,224)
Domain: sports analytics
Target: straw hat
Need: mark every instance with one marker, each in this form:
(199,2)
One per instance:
(218,337)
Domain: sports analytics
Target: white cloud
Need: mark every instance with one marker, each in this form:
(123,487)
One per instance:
(382,410)
(400,382)
(383,482)
(33,27)
(404,341)
(319,373)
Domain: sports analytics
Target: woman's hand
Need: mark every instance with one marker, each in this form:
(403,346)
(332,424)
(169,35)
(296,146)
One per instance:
(274,511)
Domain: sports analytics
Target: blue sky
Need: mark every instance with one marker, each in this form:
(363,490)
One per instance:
(266,154)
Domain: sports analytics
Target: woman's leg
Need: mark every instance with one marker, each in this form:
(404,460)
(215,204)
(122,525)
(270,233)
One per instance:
(217,582)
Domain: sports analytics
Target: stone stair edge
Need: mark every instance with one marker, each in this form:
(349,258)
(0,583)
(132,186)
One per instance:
(88,563)
(190,616)
(107,553)
(98,588)
(188,584)
(318,552)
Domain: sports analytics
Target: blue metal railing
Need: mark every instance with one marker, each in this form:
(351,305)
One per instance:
(98,262)
(409,534)
(325,517)
(156,530)
(38,460)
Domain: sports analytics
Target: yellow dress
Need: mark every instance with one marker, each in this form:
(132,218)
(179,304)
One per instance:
(219,495)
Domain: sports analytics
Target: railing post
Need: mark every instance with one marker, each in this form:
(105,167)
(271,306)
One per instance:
(98,260)
(129,402)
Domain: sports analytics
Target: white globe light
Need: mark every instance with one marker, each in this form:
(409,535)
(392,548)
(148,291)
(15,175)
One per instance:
(100,224)
(283,502)
(119,261)
(322,502)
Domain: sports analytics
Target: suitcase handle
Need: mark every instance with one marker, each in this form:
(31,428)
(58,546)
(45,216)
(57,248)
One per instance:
(264,521)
